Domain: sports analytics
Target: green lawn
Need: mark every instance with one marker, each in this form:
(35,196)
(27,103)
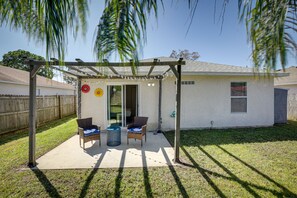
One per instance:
(258,162)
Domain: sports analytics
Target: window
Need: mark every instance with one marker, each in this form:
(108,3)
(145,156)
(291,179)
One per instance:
(238,97)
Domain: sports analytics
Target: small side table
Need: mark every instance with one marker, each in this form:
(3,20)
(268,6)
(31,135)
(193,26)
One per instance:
(113,136)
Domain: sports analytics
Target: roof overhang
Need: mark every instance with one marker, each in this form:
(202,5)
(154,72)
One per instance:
(234,74)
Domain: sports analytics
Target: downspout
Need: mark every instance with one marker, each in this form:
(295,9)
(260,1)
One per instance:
(160,107)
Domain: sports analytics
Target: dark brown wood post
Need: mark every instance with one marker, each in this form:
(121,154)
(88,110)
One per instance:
(78,97)
(32,117)
(177,115)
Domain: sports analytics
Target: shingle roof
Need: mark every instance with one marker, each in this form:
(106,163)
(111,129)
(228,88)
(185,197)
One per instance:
(207,68)
(16,76)
(288,80)
(190,68)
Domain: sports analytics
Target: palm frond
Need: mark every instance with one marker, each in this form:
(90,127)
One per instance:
(122,28)
(269,25)
(46,21)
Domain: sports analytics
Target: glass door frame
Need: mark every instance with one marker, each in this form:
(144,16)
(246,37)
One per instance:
(123,101)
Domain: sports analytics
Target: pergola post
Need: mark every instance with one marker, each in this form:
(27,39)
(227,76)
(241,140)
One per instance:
(32,114)
(78,97)
(177,115)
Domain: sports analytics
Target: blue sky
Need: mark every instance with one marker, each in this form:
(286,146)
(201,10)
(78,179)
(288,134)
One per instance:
(163,35)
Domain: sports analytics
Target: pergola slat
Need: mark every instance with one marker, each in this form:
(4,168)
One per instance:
(94,70)
(67,72)
(90,68)
(151,70)
(113,70)
(174,70)
(166,71)
(80,71)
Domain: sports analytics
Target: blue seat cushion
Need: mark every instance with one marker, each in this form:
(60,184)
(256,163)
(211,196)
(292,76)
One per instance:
(135,130)
(89,132)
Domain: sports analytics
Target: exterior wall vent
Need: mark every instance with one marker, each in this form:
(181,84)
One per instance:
(189,82)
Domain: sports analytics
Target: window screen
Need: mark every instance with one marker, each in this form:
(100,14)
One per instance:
(238,97)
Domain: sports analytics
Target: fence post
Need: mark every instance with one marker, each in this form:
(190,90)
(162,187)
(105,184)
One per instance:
(60,107)
(75,105)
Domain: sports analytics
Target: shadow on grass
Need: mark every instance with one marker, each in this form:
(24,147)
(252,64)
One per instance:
(286,192)
(48,186)
(203,172)
(232,177)
(175,176)
(200,138)
(86,186)
(236,135)
(146,178)
(117,189)
(5,138)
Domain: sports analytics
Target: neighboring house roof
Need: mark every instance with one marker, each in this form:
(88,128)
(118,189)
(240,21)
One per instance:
(190,68)
(16,76)
(288,80)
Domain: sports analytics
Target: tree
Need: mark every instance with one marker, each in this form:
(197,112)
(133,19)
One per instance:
(69,80)
(185,54)
(15,59)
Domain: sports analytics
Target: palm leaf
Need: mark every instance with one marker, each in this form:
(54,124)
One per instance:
(270,24)
(122,28)
(46,21)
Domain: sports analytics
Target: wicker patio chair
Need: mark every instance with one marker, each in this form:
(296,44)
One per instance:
(87,131)
(137,129)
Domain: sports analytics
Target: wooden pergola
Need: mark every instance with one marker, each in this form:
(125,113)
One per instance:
(91,70)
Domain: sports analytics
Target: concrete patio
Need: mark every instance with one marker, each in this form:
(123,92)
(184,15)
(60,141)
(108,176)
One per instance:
(69,155)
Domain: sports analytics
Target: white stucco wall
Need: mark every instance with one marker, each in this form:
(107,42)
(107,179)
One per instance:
(18,89)
(208,100)
(96,107)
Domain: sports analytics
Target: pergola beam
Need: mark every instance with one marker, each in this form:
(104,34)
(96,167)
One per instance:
(106,64)
(123,77)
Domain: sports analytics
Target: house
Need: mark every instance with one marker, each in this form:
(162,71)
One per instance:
(289,83)
(16,82)
(213,96)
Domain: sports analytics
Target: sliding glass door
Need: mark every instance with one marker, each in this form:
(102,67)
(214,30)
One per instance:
(122,104)
(114,105)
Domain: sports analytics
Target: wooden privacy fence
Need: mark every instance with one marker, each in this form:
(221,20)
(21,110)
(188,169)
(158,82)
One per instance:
(14,110)
(292,106)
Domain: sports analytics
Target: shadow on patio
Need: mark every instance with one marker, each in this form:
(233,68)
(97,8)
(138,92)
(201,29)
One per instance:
(69,155)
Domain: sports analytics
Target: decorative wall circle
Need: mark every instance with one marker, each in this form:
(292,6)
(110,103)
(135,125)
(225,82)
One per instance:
(85,88)
(98,92)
